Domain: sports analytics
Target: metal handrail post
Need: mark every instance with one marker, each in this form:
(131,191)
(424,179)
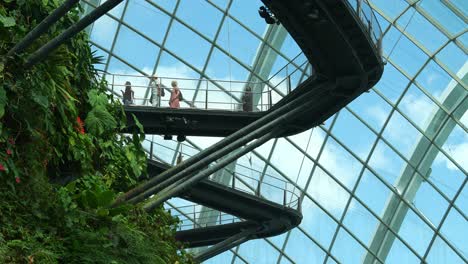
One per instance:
(206,95)
(284,195)
(113,80)
(151,150)
(233,181)
(261,100)
(160,92)
(270,99)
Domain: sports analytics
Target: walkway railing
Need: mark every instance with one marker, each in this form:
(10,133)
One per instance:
(266,186)
(368,18)
(212,94)
(198,216)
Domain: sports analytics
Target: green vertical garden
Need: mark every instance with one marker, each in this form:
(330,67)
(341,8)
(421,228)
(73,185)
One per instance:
(63,160)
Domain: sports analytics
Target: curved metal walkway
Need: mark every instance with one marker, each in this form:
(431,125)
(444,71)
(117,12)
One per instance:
(240,211)
(341,39)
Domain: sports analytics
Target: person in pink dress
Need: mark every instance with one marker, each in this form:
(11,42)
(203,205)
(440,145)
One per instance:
(176,96)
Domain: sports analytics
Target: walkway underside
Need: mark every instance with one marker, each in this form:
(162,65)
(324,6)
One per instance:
(267,218)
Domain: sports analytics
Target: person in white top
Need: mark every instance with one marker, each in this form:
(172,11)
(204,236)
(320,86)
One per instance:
(156,91)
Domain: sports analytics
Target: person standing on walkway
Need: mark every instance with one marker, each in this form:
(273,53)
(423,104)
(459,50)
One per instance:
(128,95)
(156,91)
(247,100)
(176,96)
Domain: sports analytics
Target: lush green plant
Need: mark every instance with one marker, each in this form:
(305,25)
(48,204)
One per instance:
(57,124)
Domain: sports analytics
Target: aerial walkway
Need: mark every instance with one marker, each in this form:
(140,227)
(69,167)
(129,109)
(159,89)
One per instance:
(251,208)
(340,38)
(342,41)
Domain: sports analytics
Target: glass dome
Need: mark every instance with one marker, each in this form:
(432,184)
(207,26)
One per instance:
(383,180)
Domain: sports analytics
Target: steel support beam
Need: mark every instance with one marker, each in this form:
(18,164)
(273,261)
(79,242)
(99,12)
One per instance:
(71,31)
(43,26)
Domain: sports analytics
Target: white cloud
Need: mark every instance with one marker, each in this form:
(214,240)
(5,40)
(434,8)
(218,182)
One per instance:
(419,107)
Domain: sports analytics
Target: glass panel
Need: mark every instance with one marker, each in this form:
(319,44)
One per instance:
(243,46)
(317,223)
(456,146)
(200,15)
(147,19)
(392,83)
(258,251)
(142,56)
(178,44)
(225,257)
(409,57)
(442,253)
(418,28)
(415,232)
(360,141)
(452,57)
(418,107)
(402,135)
(386,162)
(372,109)
(399,253)
(435,80)
(346,249)
(430,203)
(446,175)
(438,11)
(165,4)
(390,8)
(328,193)
(103,32)
(340,163)
(455,229)
(302,250)
(246,12)
(372,192)
(360,222)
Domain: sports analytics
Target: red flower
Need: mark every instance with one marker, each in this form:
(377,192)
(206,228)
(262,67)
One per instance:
(11,141)
(2,168)
(8,151)
(18,180)
(80,127)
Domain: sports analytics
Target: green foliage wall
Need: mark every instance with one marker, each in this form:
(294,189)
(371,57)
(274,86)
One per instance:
(57,124)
